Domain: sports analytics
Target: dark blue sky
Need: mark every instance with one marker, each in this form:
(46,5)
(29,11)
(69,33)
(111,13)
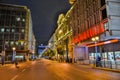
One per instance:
(44,15)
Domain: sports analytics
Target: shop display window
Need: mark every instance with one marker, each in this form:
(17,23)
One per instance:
(117,55)
(91,56)
(104,56)
(110,56)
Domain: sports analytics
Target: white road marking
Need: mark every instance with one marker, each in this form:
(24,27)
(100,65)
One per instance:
(14,77)
(17,75)
(23,70)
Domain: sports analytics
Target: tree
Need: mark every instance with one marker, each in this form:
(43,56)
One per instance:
(49,52)
(60,50)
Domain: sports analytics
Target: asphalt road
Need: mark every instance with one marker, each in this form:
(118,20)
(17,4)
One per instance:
(52,70)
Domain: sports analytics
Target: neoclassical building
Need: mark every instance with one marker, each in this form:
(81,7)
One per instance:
(63,36)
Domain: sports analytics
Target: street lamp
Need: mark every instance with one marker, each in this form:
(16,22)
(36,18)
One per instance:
(60,31)
(95,39)
(14,53)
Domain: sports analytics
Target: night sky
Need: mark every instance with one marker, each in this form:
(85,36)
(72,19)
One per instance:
(44,16)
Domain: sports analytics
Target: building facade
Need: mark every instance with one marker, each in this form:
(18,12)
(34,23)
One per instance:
(31,40)
(14,30)
(63,37)
(96,20)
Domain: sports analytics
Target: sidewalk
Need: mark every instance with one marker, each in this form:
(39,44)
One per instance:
(101,68)
(107,69)
(9,63)
(92,66)
(5,65)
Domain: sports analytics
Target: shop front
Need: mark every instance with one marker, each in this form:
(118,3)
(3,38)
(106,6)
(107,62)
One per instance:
(108,51)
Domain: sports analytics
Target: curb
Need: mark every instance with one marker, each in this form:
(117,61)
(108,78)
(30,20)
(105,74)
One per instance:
(107,69)
(5,65)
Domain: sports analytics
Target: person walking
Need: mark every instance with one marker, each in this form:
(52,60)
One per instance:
(2,61)
(16,64)
(98,62)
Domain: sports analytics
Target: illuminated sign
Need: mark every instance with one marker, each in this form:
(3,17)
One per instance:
(91,32)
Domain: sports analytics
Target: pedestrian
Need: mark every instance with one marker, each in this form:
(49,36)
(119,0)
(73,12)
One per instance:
(98,62)
(16,64)
(2,60)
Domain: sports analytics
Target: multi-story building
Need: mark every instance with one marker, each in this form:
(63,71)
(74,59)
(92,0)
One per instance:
(31,39)
(14,30)
(96,20)
(63,35)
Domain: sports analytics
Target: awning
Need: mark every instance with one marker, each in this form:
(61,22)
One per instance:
(103,42)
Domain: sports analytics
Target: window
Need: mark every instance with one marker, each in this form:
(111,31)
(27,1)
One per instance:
(6,42)
(11,43)
(13,30)
(11,36)
(117,55)
(22,36)
(6,36)
(104,14)
(1,37)
(7,30)
(18,19)
(0,47)
(106,25)
(2,30)
(17,30)
(16,36)
(110,56)
(22,30)
(102,2)
(23,20)
(16,43)
(22,43)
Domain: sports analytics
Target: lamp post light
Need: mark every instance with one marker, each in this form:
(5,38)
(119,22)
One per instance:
(95,39)
(14,53)
(60,31)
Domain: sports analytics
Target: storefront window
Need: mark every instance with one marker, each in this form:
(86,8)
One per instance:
(104,56)
(91,56)
(110,56)
(117,55)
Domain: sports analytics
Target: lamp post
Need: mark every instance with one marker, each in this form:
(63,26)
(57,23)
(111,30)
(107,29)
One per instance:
(95,39)
(14,53)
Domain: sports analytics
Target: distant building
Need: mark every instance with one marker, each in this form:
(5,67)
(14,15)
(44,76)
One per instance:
(40,50)
(15,29)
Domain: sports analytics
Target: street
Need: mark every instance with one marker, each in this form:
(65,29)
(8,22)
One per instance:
(52,70)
